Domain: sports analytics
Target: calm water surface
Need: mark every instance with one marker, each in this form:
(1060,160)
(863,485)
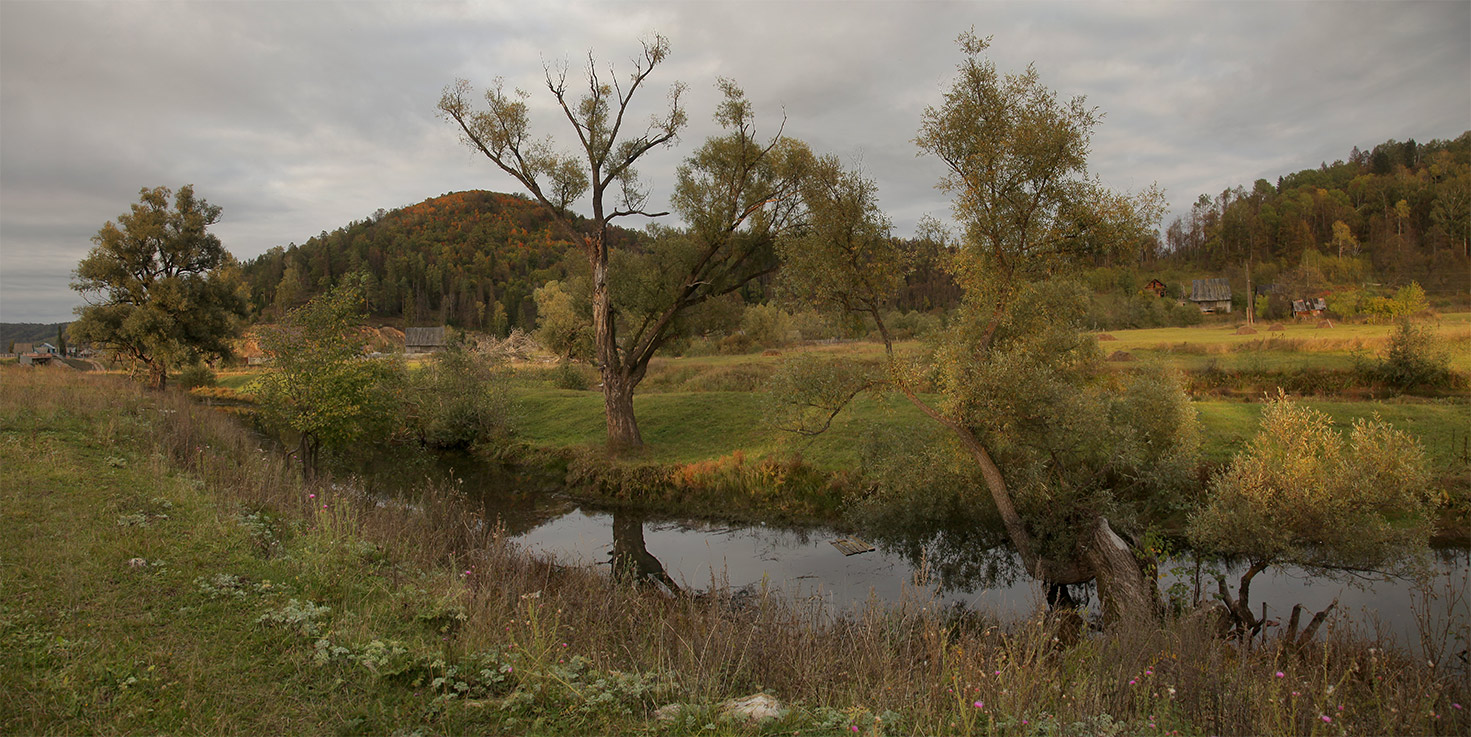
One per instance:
(803,564)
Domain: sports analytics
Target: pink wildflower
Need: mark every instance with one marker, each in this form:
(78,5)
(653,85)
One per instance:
(1280,674)
(853,727)
(980,704)
(1327,719)
(1455,706)
(1132,682)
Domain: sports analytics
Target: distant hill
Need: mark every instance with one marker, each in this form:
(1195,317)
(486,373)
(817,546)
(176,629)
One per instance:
(470,259)
(28,332)
(1393,214)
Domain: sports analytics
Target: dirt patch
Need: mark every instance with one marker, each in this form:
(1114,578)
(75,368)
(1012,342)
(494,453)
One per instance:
(1121,356)
(1105,336)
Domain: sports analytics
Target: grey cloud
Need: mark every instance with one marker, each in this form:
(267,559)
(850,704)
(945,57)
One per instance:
(297,118)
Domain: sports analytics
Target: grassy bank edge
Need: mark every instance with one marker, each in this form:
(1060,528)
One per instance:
(448,604)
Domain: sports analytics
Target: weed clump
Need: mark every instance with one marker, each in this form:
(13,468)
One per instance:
(1412,360)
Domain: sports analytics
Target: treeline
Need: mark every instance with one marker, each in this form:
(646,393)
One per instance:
(30,332)
(475,260)
(470,259)
(1396,214)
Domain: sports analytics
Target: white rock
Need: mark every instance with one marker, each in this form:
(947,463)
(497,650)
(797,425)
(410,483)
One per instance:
(755,708)
(668,712)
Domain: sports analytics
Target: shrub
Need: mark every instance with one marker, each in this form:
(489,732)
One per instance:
(196,375)
(568,375)
(1414,358)
(457,402)
(766,325)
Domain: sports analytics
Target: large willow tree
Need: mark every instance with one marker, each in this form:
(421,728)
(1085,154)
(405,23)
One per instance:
(738,194)
(1058,442)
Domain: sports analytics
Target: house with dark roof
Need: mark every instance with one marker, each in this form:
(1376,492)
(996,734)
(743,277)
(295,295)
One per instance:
(1155,287)
(423,340)
(1303,309)
(1211,295)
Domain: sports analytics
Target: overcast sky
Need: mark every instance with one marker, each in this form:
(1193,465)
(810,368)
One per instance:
(299,117)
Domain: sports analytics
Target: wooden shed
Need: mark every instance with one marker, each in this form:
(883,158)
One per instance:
(423,340)
(1211,295)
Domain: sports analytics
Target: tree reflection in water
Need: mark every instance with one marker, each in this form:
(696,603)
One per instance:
(631,558)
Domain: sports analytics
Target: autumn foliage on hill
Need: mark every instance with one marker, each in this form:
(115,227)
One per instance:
(1397,213)
(470,259)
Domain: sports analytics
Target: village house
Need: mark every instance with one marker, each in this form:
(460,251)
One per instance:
(423,340)
(1303,309)
(1155,287)
(1211,295)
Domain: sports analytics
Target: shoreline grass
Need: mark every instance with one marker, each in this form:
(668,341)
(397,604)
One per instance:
(267,606)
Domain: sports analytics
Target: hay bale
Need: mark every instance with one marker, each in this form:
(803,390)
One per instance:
(1121,356)
(770,352)
(1246,330)
(1325,323)
(1277,327)
(1105,336)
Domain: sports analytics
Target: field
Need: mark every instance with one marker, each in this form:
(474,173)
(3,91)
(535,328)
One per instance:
(693,409)
(164,575)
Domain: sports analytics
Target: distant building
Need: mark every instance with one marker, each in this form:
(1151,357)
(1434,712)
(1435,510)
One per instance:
(423,340)
(1155,287)
(1211,295)
(1310,307)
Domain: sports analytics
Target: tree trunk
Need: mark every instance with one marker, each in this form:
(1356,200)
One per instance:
(617,385)
(618,404)
(1126,594)
(158,376)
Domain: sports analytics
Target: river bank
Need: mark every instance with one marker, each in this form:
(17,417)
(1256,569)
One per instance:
(262,604)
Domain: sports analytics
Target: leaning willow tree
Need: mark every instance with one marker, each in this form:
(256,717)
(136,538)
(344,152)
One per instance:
(738,194)
(1060,444)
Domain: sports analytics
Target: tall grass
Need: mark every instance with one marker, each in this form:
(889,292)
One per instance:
(909,667)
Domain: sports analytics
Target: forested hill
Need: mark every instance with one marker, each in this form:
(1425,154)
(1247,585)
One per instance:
(470,259)
(1398,213)
(30,332)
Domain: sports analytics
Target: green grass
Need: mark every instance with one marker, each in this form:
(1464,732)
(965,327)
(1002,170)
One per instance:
(689,427)
(95,644)
(258,608)
(699,426)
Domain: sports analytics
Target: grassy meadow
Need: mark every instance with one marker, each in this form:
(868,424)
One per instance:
(709,409)
(164,574)
(693,409)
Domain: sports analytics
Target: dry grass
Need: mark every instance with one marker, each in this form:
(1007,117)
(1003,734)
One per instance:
(905,668)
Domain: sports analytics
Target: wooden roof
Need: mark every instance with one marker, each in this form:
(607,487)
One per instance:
(1210,290)
(424,336)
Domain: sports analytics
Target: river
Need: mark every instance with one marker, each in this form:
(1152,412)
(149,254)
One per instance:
(803,565)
